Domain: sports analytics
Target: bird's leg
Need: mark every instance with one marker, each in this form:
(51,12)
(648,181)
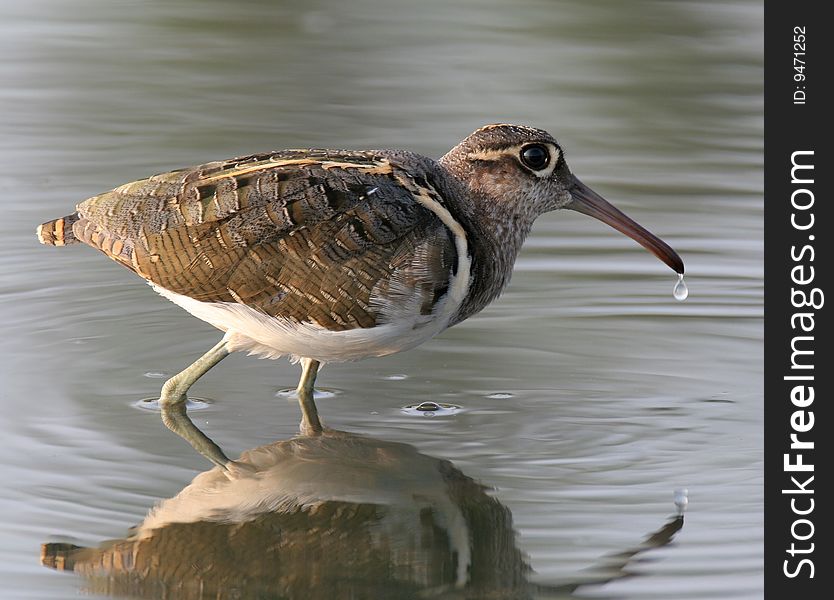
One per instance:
(310,424)
(172,403)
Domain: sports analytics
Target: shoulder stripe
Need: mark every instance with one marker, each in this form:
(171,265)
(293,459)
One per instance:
(459,284)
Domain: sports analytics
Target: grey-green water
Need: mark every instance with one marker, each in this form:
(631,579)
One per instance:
(587,393)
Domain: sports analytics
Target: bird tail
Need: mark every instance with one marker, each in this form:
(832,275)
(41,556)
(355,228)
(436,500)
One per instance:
(58,232)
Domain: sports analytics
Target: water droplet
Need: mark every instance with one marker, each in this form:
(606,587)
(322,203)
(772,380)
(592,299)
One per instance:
(681,500)
(431,409)
(681,292)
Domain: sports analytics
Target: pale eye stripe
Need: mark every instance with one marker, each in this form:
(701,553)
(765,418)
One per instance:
(493,154)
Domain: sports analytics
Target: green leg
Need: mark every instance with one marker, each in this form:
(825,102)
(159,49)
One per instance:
(310,424)
(172,403)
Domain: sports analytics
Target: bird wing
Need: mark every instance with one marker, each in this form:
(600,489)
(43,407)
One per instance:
(335,238)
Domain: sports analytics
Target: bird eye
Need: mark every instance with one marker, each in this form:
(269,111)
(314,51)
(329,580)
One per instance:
(535,156)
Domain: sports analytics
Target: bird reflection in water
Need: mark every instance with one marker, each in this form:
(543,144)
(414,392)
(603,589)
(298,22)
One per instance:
(330,516)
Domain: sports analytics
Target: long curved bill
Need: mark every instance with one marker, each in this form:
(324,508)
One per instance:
(588,202)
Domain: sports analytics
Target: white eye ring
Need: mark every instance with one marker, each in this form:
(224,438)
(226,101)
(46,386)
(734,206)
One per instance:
(535,156)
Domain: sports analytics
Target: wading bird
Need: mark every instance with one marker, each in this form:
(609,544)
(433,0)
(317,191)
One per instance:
(335,255)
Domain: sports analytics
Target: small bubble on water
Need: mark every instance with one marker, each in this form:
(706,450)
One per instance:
(396,377)
(431,409)
(681,292)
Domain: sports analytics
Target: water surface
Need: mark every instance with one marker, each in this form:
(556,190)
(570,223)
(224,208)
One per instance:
(587,393)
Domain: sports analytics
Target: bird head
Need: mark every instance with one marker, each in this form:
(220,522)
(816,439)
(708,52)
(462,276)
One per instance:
(522,172)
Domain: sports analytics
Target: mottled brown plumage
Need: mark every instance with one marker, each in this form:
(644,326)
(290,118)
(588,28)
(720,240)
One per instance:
(305,235)
(329,255)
